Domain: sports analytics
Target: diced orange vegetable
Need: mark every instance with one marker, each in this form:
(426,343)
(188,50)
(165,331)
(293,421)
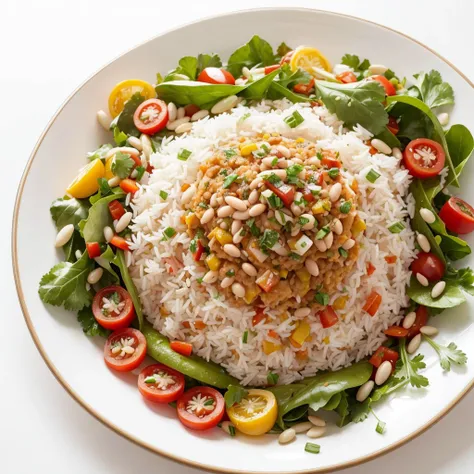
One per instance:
(129,185)
(197,324)
(373,302)
(185,186)
(183,348)
(251,293)
(273,334)
(192,221)
(259,316)
(269,347)
(370,268)
(119,242)
(268,281)
(340,302)
(373,150)
(302,354)
(391,258)
(213,262)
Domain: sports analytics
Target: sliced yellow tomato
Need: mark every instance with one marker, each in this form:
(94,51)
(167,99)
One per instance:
(108,168)
(306,58)
(255,414)
(124,90)
(86,184)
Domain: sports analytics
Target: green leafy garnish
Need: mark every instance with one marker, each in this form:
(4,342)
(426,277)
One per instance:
(268,239)
(283,49)
(372,176)
(122,165)
(294,119)
(163,195)
(125,121)
(120,138)
(410,367)
(356,64)
(191,67)
(234,395)
(333,173)
(272,378)
(448,354)
(432,90)
(69,211)
(89,324)
(104,187)
(229,153)
(184,154)
(169,232)
(229,180)
(100,153)
(322,298)
(140,172)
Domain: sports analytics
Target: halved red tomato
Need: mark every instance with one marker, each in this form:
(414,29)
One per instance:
(201,408)
(429,265)
(346,77)
(328,317)
(113,308)
(424,158)
(215,75)
(458,216)
(161,384)
(151,116)
(387,85)
(420,321)
(125,349)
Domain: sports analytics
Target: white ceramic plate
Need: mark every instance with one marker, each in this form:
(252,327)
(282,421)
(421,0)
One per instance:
(77,361)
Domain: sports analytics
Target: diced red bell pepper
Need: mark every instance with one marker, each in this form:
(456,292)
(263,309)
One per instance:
(370,268)
(270,69)
(183,348)
(116,209)
(285,192)
(93,249)
(304,89)
(190,110)
(391,258)
(308,195)
(373,302)
(119,242)
(393,125)
(382,354)
(199,251)
(331,162)
(346,77)
(396,331)
(129,185)
(259,315)
(268,281)
(328,317)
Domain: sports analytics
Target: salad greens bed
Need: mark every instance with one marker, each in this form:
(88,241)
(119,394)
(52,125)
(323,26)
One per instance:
(363,102)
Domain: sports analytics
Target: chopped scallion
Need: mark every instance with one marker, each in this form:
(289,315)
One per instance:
(294,119)
(322,298)
(272,378)
(229,180)
(184,154)
(209,402)
(322,232)
(245,337)
(343,252)
(345,207)
(380,428)
(150,380)
(232,430)
(163,195)
(396,228)
(372,176)
(312,448)
(333,173)
(169,232)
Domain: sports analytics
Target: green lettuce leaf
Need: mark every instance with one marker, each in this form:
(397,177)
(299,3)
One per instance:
(66,211)
(191,67)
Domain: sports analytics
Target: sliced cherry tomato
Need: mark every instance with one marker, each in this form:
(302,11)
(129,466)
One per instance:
(287,57)
(201,408)
(328,317)
(183,348)
(113,308)
(373,302)
(124,90)
(346,77)
(304,89)
(125,349)
(151,116)
(285,192)
(388,86)
(396,331)
(270,69)
(382,354)
(93,249)
(190,110)
(424,158)
(116,209)
(199,251)
(119,242)
(370,269)
(429,265)
(160,384)
(215,75)
(420,321)
(393,125)
(458,216)
(129,185)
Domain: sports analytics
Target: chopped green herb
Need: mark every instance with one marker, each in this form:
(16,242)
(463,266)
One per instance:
(345,207)
(203,205)
(244,117)
(343,252)
(245,337)
(169,232)
(333,173)
(380,428)
(275,202)
(303,221)
(254,230)
(163,195)
(150,380)
(274,179)
(140,172)
(230,273)
(229,180)
(372,176)
(184,154)
(396,228)
(274,161)
(119,137)
(322,298)
(294,256)
(265,147)
(199,280)
(447,354)
(268,239)
(312,448)
(122,165)
(229,153)
(104,187)
(322,232)
(232,430)
(193,246)
(319,155)
(272,378)
(294,119)
(292,172)
(223,172)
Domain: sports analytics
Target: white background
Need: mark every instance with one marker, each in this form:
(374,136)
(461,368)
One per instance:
(49,47)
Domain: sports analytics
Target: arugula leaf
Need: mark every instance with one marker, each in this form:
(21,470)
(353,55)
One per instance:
(234,394)
(276,91)
(256,52)
(413,123)
(356,103)
(120,138)
(66,211)
(288,78)
(191,67)
(460,145)
(89,324)
(410,367)
(65,284)
(100,152)
(258,89)
(125,121)
(433,91)
(447,354)
(105,259)
(122,165)
(356,64)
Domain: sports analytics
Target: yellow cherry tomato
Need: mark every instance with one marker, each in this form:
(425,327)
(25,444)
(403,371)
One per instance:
(108,168)
(306,57)
(86,184)
(255,414)
(124,90)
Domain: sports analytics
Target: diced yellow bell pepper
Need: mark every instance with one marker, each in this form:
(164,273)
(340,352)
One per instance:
(283,273)
(321,206)
(164,312)
(340,302)
(326,340)
(358,227)
(284,316)
(269,347)
(300,334)
(303,275)
(212,233)
(222,236)
(213,262)
(247,148)
(300,140)
(355,185)
(251,293)
(192,221)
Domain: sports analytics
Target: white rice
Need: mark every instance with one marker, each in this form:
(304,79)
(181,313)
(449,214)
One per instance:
(168,300)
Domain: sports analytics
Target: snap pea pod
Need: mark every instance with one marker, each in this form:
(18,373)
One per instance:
(195,367)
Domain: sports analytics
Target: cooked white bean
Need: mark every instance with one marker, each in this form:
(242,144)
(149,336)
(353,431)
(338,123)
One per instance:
(241,216)
(364,390)
(236,226)
(207,216)
(316,421)
(427,215)
(316,432)
(383,372)
(115,181)
(280,173)
(312,267)
(188,194)
(236,203)
(227,281)
(232,250)
(422,279)
(414,344)
(429,330)
(104,120)
(136,143)
(210,276)
(335,192)
(213,201)
(64,235)
(122,149)
(180,113)
(309,225)
(283,150)
(225,211)
(283,163)
(123,222)
(268,161)
(224,225)
(381,146)
(134,174)
(255,183)
(176,123)
(438,289)
(249,269)
(199,115)
(257,209)
(146,146)
(397,153)
(239,236)
(377,69)
(228,427)
(282,251)
(287,436)
(348,244)
(329,240)
(184,128)
(78,254)
(409,320)
(238,290)
(253,198)
(172,112)
(320,245)
(302,427)
(246,72)
(225,104)
(443,118)
(295,209)
(302,312)
(337,227)
(423,242)
(94,276)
